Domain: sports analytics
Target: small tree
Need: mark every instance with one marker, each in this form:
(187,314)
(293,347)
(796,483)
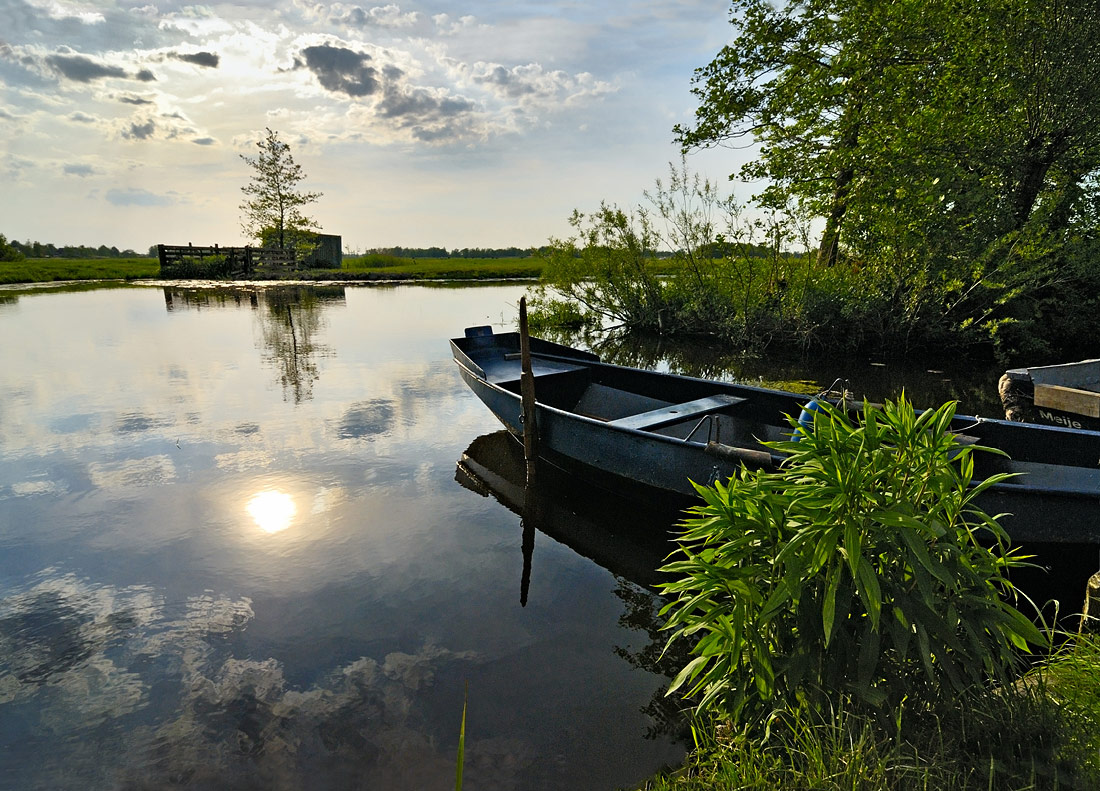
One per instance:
(7,251)
(273,206)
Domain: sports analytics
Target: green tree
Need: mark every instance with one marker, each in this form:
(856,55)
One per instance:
(923,132)
(273,204)
(7,252)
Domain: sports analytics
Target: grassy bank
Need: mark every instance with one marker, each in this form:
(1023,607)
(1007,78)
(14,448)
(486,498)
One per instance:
(392,266)
(45,270)
(1040,733)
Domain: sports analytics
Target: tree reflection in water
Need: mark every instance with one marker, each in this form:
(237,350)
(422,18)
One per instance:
(290,320)
(290,323)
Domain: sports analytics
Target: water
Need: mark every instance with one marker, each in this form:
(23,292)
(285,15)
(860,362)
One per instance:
(235,555)
(237,551)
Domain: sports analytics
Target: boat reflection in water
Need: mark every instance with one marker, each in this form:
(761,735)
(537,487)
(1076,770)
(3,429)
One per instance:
(629,539)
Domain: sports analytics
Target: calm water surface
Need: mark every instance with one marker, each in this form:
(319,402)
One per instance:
(234,552)
(235,555)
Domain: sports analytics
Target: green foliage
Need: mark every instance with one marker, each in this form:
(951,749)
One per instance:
(375,261)
(1023,737)
(272,209)
(855,569)
(207,268)
(48,270)
(7,252)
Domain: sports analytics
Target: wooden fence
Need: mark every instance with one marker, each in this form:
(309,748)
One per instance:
(177,259)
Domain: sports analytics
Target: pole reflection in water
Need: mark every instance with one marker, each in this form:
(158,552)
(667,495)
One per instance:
(626,538)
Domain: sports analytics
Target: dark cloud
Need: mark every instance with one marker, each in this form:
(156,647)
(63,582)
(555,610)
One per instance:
(79,170)
(208,60)
(140,131)
(418,104)
(342,70)
(81,69)
(134,100)
(507,81)
(4,114)
(137,197)
(145,76)
(81,118)
(204,141)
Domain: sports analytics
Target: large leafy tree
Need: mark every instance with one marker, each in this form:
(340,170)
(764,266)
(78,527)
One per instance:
(272,209)
(933,131)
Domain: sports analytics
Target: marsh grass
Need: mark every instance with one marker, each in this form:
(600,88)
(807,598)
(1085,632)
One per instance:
(372,267)
(457,268)
(45,270)
(1033,736)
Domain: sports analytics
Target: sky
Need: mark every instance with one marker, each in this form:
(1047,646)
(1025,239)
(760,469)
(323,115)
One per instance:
(438,123)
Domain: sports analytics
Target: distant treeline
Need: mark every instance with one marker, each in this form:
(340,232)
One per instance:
(46,250)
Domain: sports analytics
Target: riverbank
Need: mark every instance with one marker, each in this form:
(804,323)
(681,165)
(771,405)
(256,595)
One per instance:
(363,268)
(1040,733)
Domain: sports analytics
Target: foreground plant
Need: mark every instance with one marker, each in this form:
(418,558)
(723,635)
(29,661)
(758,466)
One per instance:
(861,568)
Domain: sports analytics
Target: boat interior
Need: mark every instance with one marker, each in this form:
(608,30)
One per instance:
(680,407)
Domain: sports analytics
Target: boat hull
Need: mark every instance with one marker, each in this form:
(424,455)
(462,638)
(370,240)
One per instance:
(1056,500)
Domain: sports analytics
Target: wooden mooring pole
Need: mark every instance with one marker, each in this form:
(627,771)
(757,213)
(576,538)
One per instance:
(527,394)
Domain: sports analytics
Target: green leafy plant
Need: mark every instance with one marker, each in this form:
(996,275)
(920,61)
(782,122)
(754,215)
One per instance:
(862,567)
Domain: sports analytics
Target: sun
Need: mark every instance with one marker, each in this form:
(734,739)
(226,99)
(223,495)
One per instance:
(273,511)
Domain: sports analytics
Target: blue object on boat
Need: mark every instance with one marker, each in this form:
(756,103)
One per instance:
(806,418)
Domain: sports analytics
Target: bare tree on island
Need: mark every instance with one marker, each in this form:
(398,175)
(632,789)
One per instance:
(272,208)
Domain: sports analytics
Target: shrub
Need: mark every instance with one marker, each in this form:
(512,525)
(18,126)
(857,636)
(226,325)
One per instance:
(855,569)
(199,268)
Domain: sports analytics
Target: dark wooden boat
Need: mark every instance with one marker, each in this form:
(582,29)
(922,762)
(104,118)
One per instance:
(651,434)
(1066,395)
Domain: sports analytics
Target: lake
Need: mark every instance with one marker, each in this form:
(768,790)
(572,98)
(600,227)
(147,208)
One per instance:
(265,538)
(235,555)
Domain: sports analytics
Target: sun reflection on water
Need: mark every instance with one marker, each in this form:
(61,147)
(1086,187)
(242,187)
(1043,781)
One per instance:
(273,511)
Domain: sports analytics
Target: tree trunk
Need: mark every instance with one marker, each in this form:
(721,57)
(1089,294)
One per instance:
(830,238)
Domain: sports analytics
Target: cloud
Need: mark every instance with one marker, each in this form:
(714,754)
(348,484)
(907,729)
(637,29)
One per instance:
(342,70)
(145,76)
(79,170)
(207,60)
(204,141)
(140,131)
(387,16)
(420,104)
(132,99)
(133,196)
(81,69)
(6,116)
(81,118)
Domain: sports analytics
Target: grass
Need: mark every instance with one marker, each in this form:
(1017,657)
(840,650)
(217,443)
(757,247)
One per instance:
(1041,733)
(46,270)
(460,268)
(370,267)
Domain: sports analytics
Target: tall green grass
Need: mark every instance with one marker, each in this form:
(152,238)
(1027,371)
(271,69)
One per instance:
(45,270)
(458,268)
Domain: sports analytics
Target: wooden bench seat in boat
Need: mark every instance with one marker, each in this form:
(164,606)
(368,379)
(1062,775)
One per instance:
(676,413)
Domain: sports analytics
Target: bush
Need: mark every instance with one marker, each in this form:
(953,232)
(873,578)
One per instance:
(855,569)
(207,268)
